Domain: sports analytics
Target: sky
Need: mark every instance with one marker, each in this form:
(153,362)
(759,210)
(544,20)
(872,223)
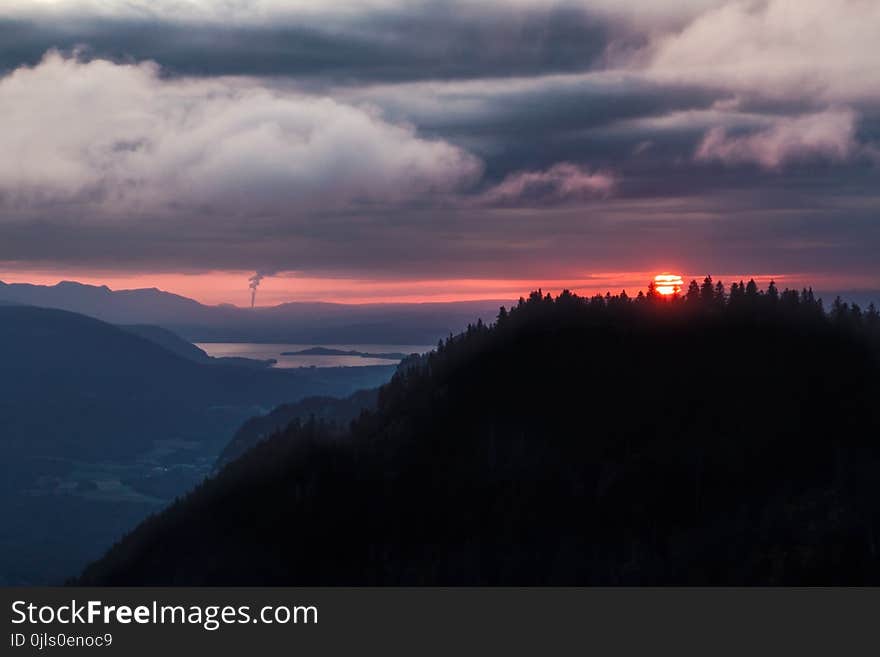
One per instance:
(405,150)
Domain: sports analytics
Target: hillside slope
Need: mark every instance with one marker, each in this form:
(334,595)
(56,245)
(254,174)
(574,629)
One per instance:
(599,441)
(330,410)
(74,384)
(169,340)
(177,345)
(99,426)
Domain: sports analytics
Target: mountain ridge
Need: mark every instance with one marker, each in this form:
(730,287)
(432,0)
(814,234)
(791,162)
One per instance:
(575,441)
(292,322)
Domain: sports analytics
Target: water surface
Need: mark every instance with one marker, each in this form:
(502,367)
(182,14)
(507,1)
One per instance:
(266,351)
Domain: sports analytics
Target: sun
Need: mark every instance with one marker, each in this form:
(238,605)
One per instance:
(668,284)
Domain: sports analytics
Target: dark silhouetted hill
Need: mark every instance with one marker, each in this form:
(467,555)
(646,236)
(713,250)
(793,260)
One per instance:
(335,413)
(70,380)
(177,345)
(728,437)
(99,425)
(170,341)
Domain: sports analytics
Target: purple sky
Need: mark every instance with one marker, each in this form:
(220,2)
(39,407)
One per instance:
(386,149)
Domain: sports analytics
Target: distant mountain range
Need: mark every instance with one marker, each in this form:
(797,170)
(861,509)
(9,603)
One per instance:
(301,322)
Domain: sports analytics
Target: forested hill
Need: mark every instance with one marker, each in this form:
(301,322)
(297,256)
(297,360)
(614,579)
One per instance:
(331,410)
(726,437)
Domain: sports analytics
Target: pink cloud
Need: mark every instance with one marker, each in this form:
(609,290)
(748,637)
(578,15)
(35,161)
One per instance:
(778,48)
(560,183)
(828,135)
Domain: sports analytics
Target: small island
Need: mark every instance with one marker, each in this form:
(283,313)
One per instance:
(325,351)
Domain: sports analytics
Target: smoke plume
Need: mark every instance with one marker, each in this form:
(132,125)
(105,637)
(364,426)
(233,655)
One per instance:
(254,282)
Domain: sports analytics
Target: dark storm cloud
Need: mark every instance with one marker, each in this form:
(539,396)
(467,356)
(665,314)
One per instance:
(782,229)
(525,123)
(432,41)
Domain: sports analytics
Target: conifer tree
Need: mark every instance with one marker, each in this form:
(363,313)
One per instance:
(752,290)
(720,296)
(707,291)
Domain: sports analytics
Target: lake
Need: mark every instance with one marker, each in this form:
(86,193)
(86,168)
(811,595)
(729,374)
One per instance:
(274,350)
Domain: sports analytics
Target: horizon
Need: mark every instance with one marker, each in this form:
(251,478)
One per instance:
(629,285)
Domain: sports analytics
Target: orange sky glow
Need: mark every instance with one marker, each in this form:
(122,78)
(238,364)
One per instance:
(232,286)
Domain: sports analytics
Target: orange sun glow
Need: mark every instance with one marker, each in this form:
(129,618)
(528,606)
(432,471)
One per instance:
(668,284)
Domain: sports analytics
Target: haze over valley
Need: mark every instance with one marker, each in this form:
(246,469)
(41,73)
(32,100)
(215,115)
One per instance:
(102,425)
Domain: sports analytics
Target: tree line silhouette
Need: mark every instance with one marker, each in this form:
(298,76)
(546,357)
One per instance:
(742,299)
(713,437)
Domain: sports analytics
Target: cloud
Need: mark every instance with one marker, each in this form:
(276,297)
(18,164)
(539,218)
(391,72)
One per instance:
(777,48)
(527,104)
(119,135)
(314,41)
(828,135)
(183,10)
(644,13)
(563,182)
